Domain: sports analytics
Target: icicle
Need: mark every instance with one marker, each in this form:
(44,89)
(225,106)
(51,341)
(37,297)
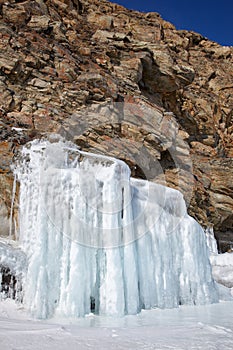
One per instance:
(13,266)
(211,241)
(12,208)
(0,284)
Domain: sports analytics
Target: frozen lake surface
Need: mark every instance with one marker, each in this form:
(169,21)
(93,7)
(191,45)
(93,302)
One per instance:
(208,327)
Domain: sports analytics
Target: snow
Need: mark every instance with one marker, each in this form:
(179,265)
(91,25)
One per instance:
(188,327)
(91,233)
(17,129)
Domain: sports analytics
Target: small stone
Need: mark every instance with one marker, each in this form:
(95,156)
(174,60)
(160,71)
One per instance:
(39,23)
(102,21)
(15,15)
(39,83)
(85,51)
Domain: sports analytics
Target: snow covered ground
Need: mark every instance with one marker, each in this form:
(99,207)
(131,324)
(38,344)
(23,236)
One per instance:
(208,327)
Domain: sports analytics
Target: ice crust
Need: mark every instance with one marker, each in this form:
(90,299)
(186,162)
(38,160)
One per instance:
(98,240)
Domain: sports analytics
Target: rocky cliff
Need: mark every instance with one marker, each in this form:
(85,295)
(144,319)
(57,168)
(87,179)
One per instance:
(122,83)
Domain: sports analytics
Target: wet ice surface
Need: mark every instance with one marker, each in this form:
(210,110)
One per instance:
(208,327)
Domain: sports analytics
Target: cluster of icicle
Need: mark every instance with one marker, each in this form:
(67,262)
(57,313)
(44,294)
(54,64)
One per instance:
(99,241)
(13,266)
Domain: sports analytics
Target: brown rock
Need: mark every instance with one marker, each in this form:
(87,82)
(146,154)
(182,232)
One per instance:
(123,83)
(132,69)
(16,15)
(104,21)
(5,203)
(6,97)
(106,36)
(7,65)
(148,34)
(39,23)
(85,51)
(39,83)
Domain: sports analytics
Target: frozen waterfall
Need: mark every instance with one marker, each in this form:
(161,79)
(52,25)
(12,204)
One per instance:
(99,241)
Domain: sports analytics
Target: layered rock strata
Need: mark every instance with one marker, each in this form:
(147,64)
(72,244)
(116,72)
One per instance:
(121,83)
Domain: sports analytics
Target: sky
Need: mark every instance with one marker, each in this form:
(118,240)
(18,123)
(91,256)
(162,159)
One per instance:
(211,18)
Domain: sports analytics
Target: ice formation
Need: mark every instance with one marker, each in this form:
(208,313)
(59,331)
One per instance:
(98,240)
(222,266)
(211,241)
(13,266)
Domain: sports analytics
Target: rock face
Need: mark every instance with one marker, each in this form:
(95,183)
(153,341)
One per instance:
(121,83)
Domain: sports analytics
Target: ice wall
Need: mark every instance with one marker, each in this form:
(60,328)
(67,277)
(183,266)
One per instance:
(97,240)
